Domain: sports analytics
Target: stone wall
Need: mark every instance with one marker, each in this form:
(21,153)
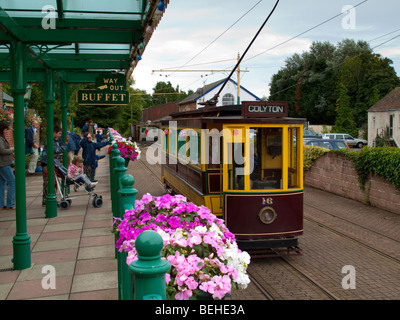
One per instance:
(336,174)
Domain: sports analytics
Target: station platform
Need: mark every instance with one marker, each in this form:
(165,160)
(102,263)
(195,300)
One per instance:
(78,243)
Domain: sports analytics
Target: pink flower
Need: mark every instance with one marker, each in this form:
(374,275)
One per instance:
(195,238)
(147,198)
(183,295)
(208,286)
(191,283)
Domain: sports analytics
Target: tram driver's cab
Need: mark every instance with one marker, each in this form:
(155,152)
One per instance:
(255,158)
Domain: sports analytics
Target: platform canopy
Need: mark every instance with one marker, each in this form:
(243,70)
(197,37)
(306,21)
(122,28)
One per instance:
(65,41)
(77,39)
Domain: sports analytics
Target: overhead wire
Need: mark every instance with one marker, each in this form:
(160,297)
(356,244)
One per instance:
(220,35)
(280,44)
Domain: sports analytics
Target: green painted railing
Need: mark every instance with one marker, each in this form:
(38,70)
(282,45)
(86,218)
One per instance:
(144,279)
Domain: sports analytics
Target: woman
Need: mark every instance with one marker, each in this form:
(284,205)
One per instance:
(6,173)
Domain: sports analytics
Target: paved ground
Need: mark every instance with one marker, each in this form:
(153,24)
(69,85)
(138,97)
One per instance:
(78,243)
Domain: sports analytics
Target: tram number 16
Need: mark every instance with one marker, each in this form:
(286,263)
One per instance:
(267,201)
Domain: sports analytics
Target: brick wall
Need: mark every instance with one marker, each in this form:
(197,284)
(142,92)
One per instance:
(336,174)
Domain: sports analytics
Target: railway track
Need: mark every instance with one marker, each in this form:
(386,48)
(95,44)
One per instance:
(281,279)
(369,238)
(268,290)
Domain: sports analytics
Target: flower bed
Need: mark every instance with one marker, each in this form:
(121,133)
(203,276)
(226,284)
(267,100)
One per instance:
(129,150)
(203,254)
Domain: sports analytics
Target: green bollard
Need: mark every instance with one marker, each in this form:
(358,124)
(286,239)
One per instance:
(114,196)
(149,270)
(127,197)
(119,172)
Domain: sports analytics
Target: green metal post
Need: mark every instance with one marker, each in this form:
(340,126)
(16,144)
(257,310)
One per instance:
(21,241)
(126,199)
(119,172)
(51,199)
(114,146)
(64,115)
(115,153)
(149,270)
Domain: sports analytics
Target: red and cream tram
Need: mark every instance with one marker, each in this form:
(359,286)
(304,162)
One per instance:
(245,163)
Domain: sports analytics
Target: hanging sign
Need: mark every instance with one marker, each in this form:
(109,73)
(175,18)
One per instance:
(262,109)
(110,89)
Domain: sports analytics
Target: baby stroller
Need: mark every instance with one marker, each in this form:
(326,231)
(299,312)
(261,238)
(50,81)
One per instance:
(65,201)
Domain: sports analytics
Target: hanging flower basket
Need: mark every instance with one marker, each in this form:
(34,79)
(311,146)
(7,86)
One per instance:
(129,150)
(204,256)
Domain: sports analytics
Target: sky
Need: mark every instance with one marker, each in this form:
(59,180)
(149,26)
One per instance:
(208,35)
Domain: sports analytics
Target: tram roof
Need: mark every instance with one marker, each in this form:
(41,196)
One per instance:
(230,113)
(87,38)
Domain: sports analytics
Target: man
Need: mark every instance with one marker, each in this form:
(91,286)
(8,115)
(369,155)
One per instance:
(59,149)
(32,143)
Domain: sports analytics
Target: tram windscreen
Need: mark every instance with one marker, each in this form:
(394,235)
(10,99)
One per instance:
(266,148)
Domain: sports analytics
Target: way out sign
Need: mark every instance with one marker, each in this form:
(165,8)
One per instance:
(110,90)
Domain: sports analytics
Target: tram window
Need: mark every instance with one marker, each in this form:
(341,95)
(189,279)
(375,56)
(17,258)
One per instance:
(172,142)
(193,147)
(266,151)
(293,174)
(182,144)
(214,152)
(236,166)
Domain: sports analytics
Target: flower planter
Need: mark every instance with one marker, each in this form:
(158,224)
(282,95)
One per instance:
(205,260)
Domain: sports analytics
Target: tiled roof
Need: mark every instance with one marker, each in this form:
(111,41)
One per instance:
(390,102)
(201,91)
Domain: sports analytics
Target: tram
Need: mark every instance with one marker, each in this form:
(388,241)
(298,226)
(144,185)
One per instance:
(245,163)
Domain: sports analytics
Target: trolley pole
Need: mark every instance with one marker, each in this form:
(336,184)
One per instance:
(21,241)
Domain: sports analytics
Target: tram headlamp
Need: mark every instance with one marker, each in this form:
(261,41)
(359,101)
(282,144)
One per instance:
(267,215)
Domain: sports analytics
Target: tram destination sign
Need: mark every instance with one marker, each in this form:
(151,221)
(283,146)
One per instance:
(110,90)
(263,109)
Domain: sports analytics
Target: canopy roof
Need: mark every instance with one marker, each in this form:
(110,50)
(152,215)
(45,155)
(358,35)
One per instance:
(78,39)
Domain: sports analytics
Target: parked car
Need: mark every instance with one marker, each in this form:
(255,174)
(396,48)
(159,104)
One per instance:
(352,142)
(311,134)
(327,143)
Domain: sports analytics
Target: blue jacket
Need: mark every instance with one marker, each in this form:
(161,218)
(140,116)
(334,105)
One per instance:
(89,150)
(74,141)
(85,128)
(29,136)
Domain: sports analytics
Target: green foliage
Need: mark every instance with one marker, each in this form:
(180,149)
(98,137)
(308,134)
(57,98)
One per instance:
(344,119)
(312,82)
(311,154)
(381,161)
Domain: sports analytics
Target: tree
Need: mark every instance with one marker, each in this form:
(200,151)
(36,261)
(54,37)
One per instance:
(313,81)
(344,120)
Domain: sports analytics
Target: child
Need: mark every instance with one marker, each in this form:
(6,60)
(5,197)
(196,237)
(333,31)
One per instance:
(89,153)
(75,172)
